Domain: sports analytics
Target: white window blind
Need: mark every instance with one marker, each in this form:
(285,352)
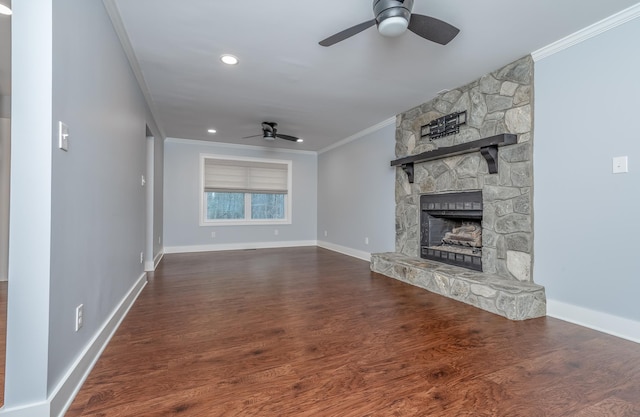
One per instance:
(230,176)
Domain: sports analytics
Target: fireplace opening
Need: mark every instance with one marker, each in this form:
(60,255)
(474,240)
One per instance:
(451,228)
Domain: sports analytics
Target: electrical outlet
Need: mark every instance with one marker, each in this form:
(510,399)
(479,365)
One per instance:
(141,257)
(325,233)
(79,316)
(142,180)
(276,231)
(213,235)
(620,164)
(366,240)
(159,240)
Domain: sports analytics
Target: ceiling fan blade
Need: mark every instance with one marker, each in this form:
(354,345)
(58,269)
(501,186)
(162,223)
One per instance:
(286,137)
(254,136)
(432,29)
(347,33)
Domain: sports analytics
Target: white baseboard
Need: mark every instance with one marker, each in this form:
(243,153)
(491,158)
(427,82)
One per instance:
(41,409)
(64,394)
(596,320)
(365,256)
(152,265)
(238,246)
(67,389)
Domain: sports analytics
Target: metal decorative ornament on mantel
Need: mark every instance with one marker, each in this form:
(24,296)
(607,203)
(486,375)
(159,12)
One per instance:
(444,126)
(488,147)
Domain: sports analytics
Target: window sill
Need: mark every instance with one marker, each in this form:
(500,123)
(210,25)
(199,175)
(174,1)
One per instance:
(244,222)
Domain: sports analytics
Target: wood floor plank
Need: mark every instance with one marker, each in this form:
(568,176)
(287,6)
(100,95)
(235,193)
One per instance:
(3,335)
(610,407)
(309,332)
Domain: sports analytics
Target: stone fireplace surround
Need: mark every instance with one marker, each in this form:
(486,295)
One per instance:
(499,102)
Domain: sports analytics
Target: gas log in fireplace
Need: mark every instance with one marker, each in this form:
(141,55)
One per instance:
(451,228)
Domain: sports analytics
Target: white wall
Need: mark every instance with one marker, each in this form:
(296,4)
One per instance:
(78,217)
(356,194)
(29,258)
(587,100)
(182,230)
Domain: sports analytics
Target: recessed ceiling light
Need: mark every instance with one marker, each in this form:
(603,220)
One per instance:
(5,10)
(229,59)
(299,140)
(212,131)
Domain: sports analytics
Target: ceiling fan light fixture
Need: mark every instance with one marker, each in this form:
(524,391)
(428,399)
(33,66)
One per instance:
(393,26)
(211,131)
(229,59)
(299,140)
(5,10)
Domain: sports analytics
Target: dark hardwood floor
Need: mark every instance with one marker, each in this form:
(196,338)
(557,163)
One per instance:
(309,332)
(3,335)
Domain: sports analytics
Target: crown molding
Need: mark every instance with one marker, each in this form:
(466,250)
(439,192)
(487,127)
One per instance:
(360,134)
(236,146)
(589,32)
(121,31)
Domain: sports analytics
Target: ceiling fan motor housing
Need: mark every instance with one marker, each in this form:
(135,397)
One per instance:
(269,130)
(392,16)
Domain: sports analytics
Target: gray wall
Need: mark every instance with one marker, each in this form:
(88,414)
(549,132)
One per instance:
(5,107)
(158,195)
(5,173)
(356,193)
(78,217)
(182,198)
(586,218)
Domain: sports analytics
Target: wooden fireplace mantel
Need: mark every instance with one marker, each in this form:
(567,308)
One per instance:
(488,147)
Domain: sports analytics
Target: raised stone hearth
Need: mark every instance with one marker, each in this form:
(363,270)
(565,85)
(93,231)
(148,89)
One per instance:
(511,299)
(498,105)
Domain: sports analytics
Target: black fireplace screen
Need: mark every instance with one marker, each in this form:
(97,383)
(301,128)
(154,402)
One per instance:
(451,228)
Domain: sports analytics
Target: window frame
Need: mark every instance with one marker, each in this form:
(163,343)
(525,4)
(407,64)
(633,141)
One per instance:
(247,221)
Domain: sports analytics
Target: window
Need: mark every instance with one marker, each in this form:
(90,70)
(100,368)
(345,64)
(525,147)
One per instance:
(244,191)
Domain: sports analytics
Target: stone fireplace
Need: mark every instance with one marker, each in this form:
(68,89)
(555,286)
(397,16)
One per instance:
(494,271)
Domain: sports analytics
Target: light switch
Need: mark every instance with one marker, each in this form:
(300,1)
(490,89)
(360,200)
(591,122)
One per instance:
(620,164)
(63,136)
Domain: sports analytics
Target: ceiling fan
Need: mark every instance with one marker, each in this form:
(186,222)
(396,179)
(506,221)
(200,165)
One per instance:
(270,132)
(393,18)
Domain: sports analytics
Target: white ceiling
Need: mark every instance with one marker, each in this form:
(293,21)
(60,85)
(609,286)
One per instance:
(321,94)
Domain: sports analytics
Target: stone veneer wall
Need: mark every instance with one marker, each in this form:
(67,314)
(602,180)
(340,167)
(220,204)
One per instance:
(499,102)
